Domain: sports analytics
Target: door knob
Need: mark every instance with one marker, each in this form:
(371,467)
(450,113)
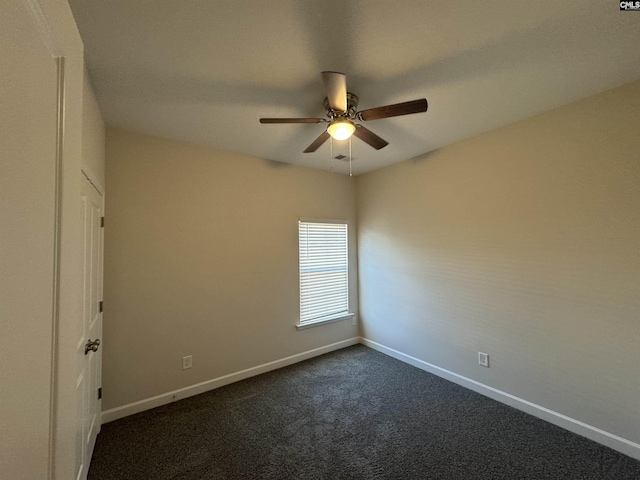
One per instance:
(91,346)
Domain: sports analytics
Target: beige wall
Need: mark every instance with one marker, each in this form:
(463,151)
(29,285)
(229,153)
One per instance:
(28,130)
(523,243)
(41,246)
(201,259)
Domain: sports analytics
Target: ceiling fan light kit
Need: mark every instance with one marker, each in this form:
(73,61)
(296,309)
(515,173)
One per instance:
(341,129)
(341,109)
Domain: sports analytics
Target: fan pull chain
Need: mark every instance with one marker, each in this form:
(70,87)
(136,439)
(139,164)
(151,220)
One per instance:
(350,174)
(331,154)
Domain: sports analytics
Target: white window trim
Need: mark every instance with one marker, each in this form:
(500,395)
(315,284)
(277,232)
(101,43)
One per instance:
(342,315)
(323,321)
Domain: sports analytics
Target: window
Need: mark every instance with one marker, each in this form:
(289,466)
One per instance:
(324,272)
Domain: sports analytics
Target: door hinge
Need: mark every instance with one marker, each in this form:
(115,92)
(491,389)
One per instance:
(100,307)
(100,393)
(102,221)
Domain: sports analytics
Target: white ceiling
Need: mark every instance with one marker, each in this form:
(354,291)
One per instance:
(205,71)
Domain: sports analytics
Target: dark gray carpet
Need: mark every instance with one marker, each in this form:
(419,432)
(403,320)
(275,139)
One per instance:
(350,414)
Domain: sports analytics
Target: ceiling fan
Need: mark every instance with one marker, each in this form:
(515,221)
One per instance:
(341,111)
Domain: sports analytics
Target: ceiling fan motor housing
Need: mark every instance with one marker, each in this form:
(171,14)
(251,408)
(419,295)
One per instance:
(352,106)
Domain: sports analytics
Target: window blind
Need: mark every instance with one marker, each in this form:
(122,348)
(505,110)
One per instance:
(324,274)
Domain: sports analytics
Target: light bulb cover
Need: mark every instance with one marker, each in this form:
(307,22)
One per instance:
(341,129)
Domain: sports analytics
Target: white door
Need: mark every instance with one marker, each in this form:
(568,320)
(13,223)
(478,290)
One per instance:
(90,331)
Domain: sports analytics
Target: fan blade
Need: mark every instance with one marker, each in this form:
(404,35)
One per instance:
(405,108)
(292,120)
(324,136)
(369,137)
(336,85)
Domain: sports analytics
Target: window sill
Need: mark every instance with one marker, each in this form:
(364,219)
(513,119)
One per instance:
(324,321)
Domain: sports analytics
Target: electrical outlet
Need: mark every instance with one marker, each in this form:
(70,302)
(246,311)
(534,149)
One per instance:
(483,359)
(354,320)
(187,362)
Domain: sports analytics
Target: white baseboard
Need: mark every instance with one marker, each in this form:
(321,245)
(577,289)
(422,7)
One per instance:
(610,440)
(163,399)
(607,439)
